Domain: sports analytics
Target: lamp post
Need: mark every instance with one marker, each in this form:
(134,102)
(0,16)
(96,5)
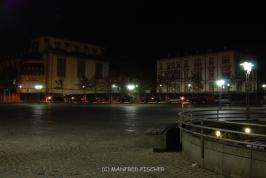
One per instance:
(247,66)
(220,84)
(114,90)
(263,87)
(39,88)
(131,88)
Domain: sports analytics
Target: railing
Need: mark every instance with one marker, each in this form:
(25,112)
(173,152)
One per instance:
(227,125)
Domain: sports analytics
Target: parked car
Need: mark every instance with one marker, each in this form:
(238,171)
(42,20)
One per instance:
(174,100)
(198,100)
(224,100)
(57,99)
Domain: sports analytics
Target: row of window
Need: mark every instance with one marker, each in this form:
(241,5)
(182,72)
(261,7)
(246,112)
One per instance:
(81,69)
(178,74)
(65,46)
(197,63)
(178,87)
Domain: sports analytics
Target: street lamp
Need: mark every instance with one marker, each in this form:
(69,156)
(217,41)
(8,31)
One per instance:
(38,88)
(131,87)
(220,84)
(247,66)
(264,87)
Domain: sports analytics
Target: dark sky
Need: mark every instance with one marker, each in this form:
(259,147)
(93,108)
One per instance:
(135,35)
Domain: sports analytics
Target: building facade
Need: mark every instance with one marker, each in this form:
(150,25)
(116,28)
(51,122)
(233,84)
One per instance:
(57,66)
(198,73)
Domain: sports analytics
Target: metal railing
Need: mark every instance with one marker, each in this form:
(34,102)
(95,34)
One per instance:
(230,123)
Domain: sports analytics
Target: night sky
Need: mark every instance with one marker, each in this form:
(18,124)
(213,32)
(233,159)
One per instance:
(135,35)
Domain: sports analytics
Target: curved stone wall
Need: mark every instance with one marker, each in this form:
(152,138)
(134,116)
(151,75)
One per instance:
(226,159)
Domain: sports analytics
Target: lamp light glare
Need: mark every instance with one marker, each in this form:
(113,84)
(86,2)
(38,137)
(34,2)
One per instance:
(38,87)
(247,130)
(218,133)
(247,66)
(130,87)
(220,83)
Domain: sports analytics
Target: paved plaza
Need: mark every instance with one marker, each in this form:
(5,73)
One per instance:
(76,141)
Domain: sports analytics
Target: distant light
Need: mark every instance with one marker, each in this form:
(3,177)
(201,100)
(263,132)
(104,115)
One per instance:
(160,85)
(247,66)
(49,97)
(72,97)
(247,130)
(83,86)
(152,98)
(137,86)
(20,86)
(228,84)
(38,87)
(182,98)
(220,83)
(189,85)
(114,86)
(263,85)
(130,87)
(218,133)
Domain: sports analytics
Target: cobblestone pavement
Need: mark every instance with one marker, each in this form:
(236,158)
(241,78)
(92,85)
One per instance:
(64,150)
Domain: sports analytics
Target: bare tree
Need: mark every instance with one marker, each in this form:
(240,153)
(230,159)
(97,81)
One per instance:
(60,85)
(196,81)
(166,80)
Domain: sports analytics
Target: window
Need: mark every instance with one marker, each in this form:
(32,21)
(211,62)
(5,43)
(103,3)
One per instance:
(177,64)
(186,74)
(61,67)
(178,87)
(197,62)
(173,65)
(99,71)
(57,44)
(211,61)
(225,60)
(81,68)
(177,74)
(168,66)
(211,74)
(186,63)
(226,73)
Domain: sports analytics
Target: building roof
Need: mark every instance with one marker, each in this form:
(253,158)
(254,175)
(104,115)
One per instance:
(67,40)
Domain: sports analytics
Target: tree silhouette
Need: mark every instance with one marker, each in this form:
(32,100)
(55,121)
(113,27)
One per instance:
(60,85)
(196,81)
